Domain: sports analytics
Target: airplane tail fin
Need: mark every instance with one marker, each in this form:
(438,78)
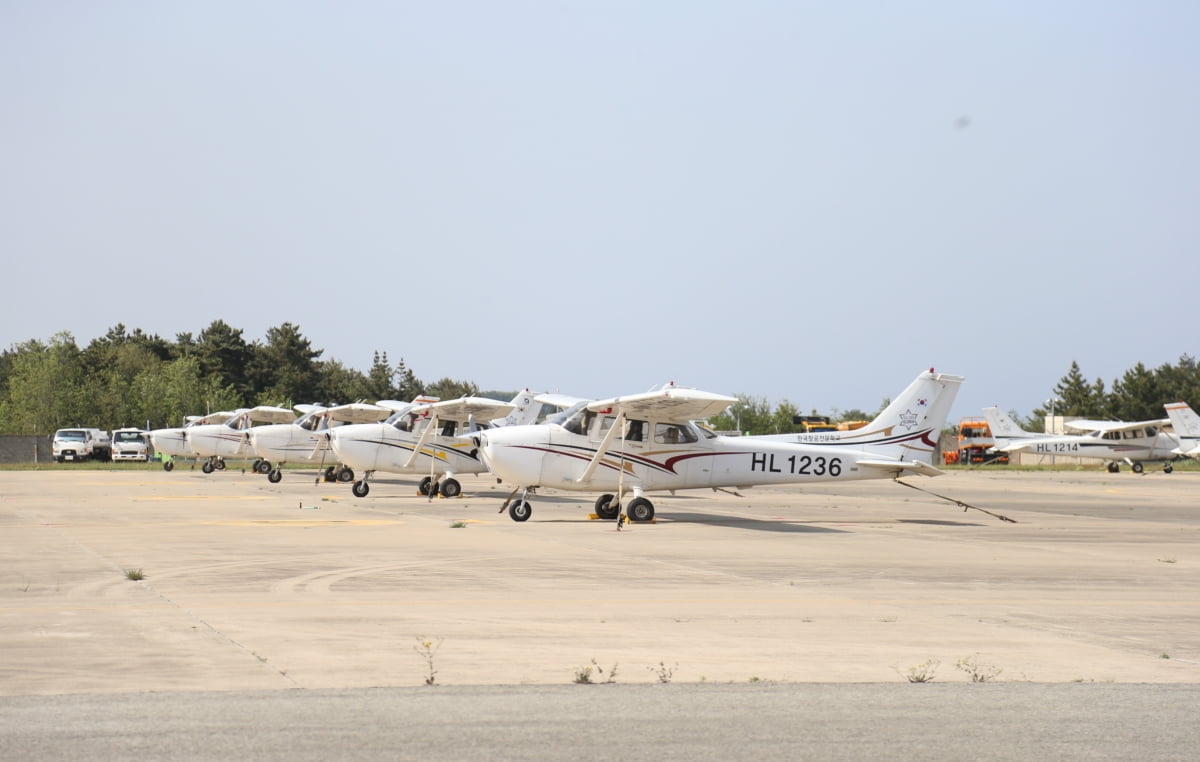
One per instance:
(527,409)
(1004,429)
(1186,423)
(909,427)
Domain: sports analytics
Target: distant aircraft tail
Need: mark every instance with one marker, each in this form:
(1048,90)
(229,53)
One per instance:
(527,410)
(1186,423)
(907,429)
(1004,429)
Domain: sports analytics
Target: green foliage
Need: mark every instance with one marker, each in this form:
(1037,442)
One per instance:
(1138,395)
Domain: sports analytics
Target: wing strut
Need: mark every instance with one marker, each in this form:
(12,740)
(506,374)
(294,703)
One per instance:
(433,422)
(602,450)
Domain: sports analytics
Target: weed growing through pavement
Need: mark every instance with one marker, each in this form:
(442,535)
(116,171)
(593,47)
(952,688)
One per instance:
(134,574)
(458,525)
(663,672)
(979,673)
(923,672)
(427,649)
(583,675)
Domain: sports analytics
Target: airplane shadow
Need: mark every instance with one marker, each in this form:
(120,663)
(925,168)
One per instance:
(741,522)
(941,522)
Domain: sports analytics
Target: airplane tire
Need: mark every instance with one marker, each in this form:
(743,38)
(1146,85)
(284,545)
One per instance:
(207,467)
(1168,468)
(424,486)
(263,467)
(360,489)
(345,474)
(1113,468)
(451,488)
(640,509)
(607,508)
(220,465)
(274,475)
(520,511)
(1137,468)
(168,465)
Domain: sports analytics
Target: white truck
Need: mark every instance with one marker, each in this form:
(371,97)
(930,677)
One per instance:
(130,444)
(78,444)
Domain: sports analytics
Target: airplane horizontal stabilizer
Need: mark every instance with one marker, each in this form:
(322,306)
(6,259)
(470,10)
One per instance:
(901,467)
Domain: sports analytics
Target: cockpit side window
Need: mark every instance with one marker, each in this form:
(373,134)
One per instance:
(673,433)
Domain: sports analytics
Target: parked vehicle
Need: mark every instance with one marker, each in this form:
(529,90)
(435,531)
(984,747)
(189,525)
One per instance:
(130,444)
(78,444)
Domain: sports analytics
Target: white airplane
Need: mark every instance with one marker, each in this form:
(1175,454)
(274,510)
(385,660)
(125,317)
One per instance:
(174,441)
(1186,424)
(218,441)
(428,438)
(647,442)
(1133,442)
(304,441)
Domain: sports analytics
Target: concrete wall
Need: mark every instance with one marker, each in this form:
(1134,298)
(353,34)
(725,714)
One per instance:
(20,449)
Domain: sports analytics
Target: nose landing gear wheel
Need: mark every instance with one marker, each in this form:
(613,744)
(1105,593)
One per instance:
(168,465)
(360,489)
(274,475)
(520,511)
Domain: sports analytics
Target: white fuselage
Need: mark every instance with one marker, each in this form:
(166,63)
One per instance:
(1132,445)
(172,442)
(218,440)
(552,456)
(384,447)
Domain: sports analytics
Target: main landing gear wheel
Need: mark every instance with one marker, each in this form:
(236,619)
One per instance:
(520,511)
(1113,468)
(607,508)
(207,467)
(345,474)
(1138,468)
(450,488)
(274,475)
(168,465)
(640,509)
(263,467)
(220,465)
(329,474)
(1168,468)
(425,485)
(360,489)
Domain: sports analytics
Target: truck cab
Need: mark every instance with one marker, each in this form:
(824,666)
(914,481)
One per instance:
(79,444)
(130,444)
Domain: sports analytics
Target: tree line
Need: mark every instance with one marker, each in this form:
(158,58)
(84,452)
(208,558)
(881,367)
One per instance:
(136,379)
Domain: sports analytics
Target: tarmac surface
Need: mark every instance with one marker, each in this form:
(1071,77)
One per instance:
(252,589)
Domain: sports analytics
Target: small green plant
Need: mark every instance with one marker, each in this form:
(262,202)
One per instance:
(134,574)
(979,673)
(663,672)
(458,525)
(923,672)
(755,679)
(1166,560)
(583,675)
(1164,655)
(427,649)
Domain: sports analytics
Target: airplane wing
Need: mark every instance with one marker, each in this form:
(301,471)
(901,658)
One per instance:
(464,408)
(218,417)
(272,414)
(562,401)
(1083,424)
(901,467)
(360,412)
(306,409)
(672,405)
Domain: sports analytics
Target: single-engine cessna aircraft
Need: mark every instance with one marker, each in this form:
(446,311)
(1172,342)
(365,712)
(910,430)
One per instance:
(218,441)
(1112,441)
(646,442)
(174,441)
(1187,428)
(303,440)
(428,438)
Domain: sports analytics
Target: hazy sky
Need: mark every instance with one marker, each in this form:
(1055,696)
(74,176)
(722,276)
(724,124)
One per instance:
(795,200)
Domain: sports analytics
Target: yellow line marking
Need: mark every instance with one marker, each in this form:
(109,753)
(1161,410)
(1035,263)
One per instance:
(160,498)
(302,522)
